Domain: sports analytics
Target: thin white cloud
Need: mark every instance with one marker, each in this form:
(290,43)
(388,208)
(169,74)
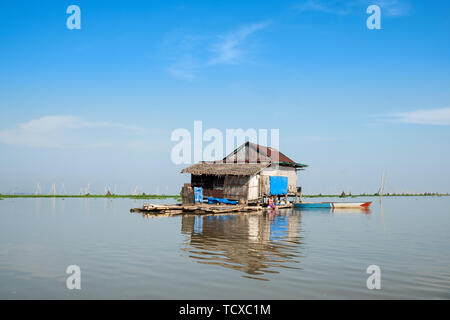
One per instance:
(229,48)
(60,131)
(184,69)
(429,117)
(191,54)
(321,6)
(391,8)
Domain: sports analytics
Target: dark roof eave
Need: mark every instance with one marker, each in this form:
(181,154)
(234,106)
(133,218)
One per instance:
(291,164)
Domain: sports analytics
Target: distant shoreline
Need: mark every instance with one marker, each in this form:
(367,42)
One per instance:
(154,196)
(426,194)
(129,196)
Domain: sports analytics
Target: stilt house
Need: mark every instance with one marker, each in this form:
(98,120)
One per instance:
(248,174)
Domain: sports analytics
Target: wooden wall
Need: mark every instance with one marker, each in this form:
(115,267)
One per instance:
(236,187)
(230,187)
(246,188)
(288,172)
(213,186)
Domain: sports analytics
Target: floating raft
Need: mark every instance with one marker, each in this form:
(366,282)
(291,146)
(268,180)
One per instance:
(176,209)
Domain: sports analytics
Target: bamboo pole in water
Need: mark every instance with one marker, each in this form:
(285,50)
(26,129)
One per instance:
(382,185)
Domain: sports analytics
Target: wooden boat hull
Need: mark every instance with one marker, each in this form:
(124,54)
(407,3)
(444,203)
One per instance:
(351,204)
(355,205)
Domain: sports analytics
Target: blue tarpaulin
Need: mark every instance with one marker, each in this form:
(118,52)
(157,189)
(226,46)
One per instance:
(220,200)
(198,194)
(278,185)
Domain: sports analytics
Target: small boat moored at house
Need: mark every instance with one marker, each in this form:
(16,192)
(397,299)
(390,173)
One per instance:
(305,205)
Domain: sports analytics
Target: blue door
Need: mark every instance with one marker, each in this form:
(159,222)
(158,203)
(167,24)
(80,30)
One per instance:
(198,194)
(278,185)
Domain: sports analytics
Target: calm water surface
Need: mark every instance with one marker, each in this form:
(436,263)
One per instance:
(290,255)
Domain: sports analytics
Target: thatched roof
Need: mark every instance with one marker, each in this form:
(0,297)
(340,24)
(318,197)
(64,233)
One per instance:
(238,169)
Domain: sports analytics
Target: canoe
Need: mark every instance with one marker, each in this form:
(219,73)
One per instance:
(313,205)
(351,204)
(304,205)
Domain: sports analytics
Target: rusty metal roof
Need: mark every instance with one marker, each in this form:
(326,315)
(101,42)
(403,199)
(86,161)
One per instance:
(258,154)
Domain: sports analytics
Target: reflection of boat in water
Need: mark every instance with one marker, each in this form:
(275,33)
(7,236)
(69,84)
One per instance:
(334,205)
(364,210)
(253,244)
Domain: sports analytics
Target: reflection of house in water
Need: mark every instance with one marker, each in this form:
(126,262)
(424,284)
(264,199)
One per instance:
(254,244)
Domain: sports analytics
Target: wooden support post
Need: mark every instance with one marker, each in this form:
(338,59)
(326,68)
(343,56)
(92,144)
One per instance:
(299,193)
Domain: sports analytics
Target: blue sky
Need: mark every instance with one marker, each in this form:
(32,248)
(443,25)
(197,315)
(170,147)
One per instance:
(98,105)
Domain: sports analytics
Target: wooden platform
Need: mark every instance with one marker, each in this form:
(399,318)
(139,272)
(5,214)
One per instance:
(178,209)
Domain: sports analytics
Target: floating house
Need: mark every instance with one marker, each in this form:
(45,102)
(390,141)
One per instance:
(248,175)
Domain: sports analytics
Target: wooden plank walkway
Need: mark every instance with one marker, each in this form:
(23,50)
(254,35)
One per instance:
(178,209)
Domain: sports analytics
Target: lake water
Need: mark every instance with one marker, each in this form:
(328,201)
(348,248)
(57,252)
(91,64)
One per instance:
(314,254)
